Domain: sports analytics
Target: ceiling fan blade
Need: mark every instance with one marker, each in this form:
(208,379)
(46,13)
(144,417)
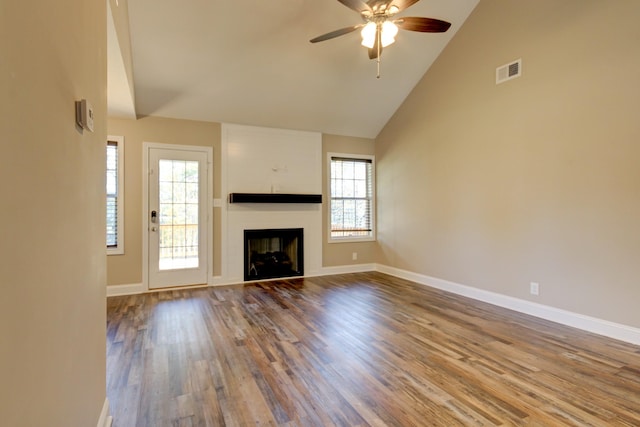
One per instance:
(402,4)
(424,25)
(336,33)
(357,5)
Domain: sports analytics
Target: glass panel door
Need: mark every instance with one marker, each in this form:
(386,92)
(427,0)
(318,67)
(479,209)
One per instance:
(177,217)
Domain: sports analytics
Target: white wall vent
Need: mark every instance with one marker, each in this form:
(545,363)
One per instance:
(509,71)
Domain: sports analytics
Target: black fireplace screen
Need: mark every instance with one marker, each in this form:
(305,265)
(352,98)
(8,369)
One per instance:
(273,253)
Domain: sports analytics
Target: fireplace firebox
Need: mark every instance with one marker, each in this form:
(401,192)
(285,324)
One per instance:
(273,253)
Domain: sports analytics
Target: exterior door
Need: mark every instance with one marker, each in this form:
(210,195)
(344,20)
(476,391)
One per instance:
(177,217)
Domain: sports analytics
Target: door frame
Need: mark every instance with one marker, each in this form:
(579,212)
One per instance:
(146,146)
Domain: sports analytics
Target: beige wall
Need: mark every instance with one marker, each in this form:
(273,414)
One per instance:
(52,274)
(536,179)
(127,269)
(340,254)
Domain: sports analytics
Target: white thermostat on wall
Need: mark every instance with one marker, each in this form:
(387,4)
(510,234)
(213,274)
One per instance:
(84,115)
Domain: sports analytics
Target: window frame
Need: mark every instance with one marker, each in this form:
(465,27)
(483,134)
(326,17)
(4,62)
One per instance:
(119,248)
(372,211)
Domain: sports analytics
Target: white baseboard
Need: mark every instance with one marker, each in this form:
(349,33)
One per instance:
(119,290)
(216,281)
(345,269)
(105,419)
(591,324)
(138,288)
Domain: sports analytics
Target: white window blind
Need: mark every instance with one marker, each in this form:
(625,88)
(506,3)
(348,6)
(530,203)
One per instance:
(352,191)
(115,199)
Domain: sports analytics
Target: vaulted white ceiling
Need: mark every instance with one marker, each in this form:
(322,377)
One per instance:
(251,62)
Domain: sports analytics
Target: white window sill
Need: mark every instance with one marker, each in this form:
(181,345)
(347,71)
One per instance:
(351,239)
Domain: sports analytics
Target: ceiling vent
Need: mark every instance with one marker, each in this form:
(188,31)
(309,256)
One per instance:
(509,71)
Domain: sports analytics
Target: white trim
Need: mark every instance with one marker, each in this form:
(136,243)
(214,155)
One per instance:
(591,324)
(210,204)
(224,263)
(145,213)
(130,289)
(119,249)
(346,269)
(216,281)
(146,146)
(105,419)
(139,288)
(349,239)
(176,288)
(586,323)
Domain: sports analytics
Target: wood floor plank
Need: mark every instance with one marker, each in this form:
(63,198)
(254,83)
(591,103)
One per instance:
(361,349)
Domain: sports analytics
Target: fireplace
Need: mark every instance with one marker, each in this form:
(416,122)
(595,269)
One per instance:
(273,253)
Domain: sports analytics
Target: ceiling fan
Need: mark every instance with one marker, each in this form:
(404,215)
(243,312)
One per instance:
(380,25)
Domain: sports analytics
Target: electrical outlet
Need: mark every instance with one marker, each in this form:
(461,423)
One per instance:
(354,256)
(534,288)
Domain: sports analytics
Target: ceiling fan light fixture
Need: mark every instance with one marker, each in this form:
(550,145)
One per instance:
(389,32)
(379,28)
(368,34)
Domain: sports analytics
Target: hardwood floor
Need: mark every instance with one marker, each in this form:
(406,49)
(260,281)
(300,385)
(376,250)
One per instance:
(356,350)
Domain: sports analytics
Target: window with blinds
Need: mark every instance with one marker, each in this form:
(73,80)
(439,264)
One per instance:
(352,197)
(115,199)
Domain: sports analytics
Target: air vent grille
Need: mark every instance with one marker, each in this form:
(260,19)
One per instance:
(509,71)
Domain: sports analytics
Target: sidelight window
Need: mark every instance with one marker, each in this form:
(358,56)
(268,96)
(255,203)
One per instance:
(115,195)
